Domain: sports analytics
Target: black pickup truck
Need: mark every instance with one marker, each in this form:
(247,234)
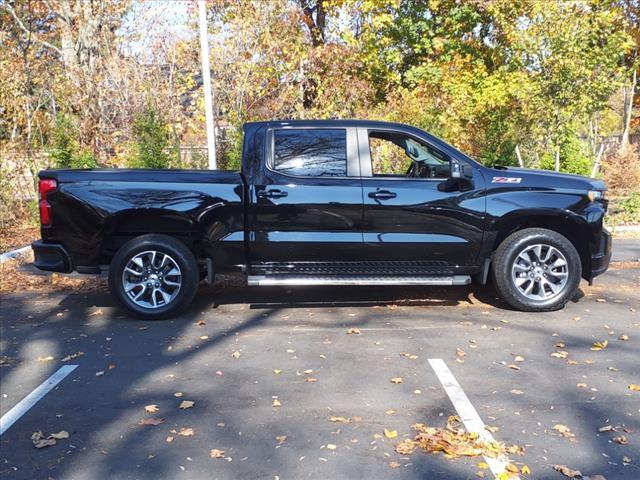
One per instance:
(335,202)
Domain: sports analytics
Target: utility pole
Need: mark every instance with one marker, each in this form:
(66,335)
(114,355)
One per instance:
(206,80)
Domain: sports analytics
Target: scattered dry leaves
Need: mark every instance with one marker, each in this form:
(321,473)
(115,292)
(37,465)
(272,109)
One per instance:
(567,472)
(186,404)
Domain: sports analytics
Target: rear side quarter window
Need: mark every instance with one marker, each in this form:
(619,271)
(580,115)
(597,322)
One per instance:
(310,152)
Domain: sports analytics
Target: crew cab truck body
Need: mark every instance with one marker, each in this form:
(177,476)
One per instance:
(341,202)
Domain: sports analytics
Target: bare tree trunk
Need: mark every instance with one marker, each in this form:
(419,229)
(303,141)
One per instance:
(629,93)
(519,156)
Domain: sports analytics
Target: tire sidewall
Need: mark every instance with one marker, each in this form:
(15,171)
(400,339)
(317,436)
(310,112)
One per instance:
(182,256)
(557,241)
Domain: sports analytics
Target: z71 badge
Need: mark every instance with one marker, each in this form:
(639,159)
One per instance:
(506,180)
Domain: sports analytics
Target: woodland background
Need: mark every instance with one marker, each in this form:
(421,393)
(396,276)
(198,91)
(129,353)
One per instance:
(547,83)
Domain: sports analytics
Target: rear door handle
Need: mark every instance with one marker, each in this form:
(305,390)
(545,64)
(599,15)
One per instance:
(271,194)
(382,195)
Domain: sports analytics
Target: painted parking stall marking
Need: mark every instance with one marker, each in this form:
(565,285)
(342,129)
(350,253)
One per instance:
(467,413)
(13,415)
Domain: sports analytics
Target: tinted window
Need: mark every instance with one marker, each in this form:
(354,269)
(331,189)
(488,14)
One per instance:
(311,153)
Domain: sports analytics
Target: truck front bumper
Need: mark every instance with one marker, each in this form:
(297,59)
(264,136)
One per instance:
(601,254)
(51,257)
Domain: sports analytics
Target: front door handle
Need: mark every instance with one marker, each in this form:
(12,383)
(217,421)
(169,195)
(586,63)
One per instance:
(271,194)
(382,195)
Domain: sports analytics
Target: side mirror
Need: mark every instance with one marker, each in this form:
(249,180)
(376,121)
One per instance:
(460,170)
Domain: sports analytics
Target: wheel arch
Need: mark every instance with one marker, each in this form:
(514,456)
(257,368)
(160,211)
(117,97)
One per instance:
(571,226)
(126,225)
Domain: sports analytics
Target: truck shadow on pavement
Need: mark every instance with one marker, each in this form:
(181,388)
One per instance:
(98,409)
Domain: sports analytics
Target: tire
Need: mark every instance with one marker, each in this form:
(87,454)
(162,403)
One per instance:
(519,264)
(154,285)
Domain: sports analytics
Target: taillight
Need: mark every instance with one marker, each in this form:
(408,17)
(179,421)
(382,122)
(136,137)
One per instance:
(45,186)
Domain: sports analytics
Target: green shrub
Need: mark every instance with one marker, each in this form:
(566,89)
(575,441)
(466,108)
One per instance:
(152,141)
(65,151)
(84,159)
(63,141)
(573,159)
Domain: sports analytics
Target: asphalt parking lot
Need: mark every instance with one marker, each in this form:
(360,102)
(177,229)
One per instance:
(269,369)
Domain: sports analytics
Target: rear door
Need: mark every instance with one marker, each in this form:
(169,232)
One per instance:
(409,223)
(306,202)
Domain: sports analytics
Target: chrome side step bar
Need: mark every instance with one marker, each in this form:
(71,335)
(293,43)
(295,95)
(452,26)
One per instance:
(262,280)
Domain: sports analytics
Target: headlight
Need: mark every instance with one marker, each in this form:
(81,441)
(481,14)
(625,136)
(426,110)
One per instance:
(596,195)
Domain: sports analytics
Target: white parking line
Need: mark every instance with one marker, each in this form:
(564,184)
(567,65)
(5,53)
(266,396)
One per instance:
(14,253)
(13,415)
(467,413)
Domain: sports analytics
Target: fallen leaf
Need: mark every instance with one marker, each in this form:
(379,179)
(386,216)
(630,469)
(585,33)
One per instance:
(39,441)
(391,411)
(606,428)
(186,404)
(72,356)
(277,372)
(353,331)
(276,403)
(624,337)
(281,439)
(513,367)
(567,472)
(96,312)
(622,440)
(390,433)
(525,470)
(560,354)
(511,468)
(308,371)
(331,446)
(396,380)
(60,435)
(515,391)
(215,453)
(111,366)
(491,429)
(310,379)
(169,439)
(151,408)
(45,359)
(339,420)
(100,373)
(417,392)
(394,464)
(626,460)
(177,394)
(634,387)
(186,432)
(563,430)
(200,323)
(559,345)
(204,337)
(601,300)
(597,346)
(151,421)
(518,358)
(581,385)
(236,354)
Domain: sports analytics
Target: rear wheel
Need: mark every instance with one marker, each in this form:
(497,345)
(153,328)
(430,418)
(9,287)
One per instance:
(537,270)
(154,276)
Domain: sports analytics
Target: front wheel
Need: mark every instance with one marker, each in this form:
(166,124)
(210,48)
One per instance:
(537,270)
(154,276)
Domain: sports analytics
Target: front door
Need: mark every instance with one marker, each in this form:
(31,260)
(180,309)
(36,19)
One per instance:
(410,224)
(306,205)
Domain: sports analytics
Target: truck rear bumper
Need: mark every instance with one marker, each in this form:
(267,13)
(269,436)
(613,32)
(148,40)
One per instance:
(51,257)
(602,255)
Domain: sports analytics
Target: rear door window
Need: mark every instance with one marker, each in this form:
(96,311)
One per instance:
(310,152)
